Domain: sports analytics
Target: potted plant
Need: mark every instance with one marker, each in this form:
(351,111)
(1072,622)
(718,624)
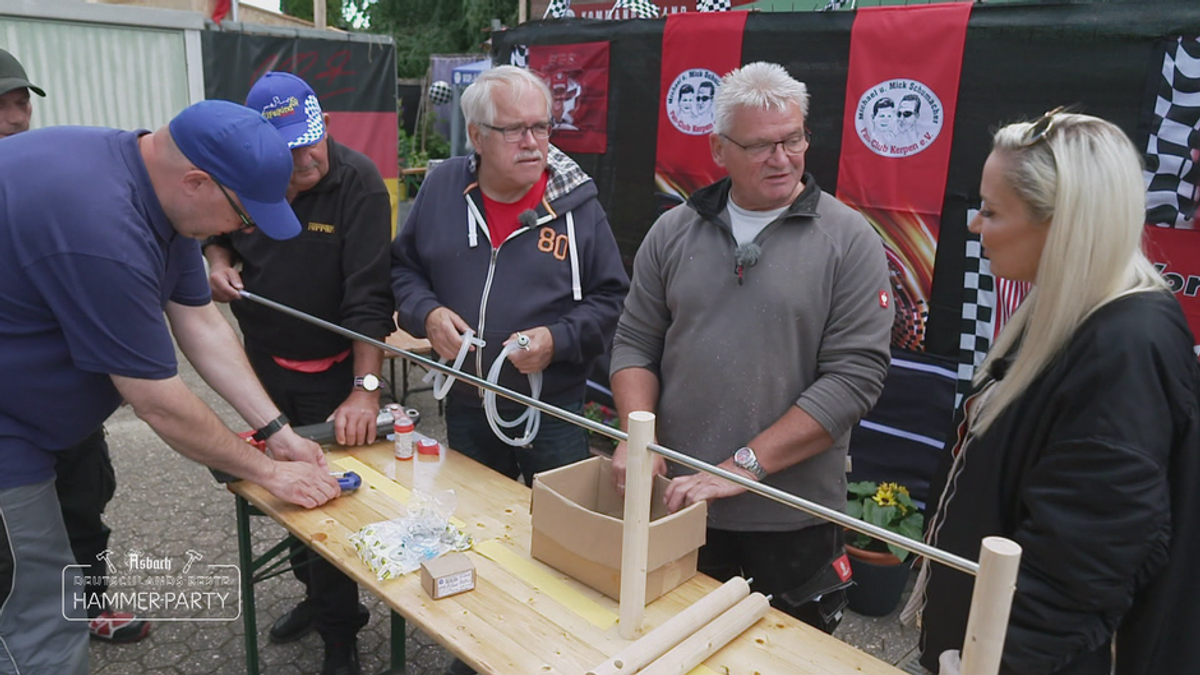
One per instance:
(880,570)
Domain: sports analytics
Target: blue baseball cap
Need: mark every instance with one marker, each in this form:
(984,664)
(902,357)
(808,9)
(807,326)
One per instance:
(288,103)
(243,152)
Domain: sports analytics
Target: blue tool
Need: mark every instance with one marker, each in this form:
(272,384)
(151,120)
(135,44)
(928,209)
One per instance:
(347,480)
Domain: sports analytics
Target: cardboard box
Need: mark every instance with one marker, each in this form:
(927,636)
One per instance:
(448,575)
(577,529)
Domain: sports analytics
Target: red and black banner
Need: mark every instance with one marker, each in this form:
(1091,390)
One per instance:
(897,129)
(355,82)
(578,78)
(698,49)
(1176,254)
(1018,60)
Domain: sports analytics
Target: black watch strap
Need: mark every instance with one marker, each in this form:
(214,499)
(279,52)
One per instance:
(272,426)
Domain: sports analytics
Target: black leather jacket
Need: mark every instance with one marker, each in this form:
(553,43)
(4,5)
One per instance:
(1095,472)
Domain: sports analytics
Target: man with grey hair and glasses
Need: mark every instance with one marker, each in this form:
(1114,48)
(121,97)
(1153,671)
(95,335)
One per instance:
(757,329)
(511,244)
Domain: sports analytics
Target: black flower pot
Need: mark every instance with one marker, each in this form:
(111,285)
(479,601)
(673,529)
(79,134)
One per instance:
(879,581)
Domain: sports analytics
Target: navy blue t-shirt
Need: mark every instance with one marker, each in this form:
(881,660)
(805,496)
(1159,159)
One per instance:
(88,262)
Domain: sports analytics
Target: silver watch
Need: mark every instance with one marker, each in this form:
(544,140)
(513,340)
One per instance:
(368,382)
(745,459)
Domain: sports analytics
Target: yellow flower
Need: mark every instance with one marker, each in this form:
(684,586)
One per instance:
(886,496)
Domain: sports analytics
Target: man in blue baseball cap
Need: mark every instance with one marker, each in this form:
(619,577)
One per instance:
(336,269)
(100,230)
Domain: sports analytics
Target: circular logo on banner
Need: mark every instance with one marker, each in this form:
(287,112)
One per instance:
(898,118)
(690,101)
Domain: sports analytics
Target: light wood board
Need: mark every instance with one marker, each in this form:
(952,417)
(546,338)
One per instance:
(506,626)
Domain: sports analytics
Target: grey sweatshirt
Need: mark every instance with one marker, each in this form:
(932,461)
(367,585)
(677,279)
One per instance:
(808,325)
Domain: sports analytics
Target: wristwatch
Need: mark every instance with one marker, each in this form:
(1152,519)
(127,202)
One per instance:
(745,459)
(272,426)
(368,382)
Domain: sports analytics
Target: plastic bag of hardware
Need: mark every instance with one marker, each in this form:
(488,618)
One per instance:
(396,547)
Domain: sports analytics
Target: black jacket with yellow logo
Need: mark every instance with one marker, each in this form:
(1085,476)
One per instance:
(336,269)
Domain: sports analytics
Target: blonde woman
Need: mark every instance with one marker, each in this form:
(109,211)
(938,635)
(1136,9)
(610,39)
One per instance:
(1081,441)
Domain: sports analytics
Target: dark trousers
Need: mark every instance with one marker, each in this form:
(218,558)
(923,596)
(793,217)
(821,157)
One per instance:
(85,482)
(794,567)
(310,398)
(557,443)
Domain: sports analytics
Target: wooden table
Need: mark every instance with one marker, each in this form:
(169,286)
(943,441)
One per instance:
(506,626)
(402,340)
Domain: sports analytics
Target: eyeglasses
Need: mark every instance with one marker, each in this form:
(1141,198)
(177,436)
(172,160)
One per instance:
(905,113)
(247,221)
(1041,128)
(704,98)
(792,145)
(516,132)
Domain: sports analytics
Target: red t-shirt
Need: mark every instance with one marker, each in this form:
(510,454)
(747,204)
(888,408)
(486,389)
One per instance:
(502,218)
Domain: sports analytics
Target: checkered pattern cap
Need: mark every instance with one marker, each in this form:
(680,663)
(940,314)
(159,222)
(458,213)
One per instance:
(287,102)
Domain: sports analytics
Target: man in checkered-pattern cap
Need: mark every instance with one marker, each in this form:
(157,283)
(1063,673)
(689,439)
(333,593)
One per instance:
(337,269)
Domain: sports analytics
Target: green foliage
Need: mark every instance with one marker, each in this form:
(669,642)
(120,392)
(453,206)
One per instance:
(412,155)
(602,414)
(888,506)
(424,27)
(303,9)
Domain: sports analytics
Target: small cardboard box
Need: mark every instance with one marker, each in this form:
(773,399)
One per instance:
(577,529)
(448,575)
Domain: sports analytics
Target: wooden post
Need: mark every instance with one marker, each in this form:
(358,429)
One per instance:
(319,14)
(634,657)
(999,560)
(522,11)
(635,543)
(711,638)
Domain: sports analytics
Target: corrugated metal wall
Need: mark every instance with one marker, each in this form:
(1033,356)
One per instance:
(101,75)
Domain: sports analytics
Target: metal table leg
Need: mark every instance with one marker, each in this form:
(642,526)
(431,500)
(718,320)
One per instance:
(397,665)
(246,561)
(255,570)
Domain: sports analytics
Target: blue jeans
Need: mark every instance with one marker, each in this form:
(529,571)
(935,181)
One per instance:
(558,442)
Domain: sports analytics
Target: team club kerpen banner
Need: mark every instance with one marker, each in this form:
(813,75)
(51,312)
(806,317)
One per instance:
(901,91)
(578,78)
(697,49)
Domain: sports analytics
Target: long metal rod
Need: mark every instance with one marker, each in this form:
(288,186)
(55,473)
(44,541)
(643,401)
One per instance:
(824,512)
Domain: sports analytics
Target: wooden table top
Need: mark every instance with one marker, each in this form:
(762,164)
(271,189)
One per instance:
(508,626)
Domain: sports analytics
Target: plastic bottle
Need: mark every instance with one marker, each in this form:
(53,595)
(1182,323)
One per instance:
(402,428)
(393,409)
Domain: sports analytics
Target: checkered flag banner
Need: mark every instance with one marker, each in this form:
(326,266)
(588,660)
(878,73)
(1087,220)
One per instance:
(978,314)
(519,56)
(558,9)
(1172,173)
(838,4)
(639,9)
(713,6)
